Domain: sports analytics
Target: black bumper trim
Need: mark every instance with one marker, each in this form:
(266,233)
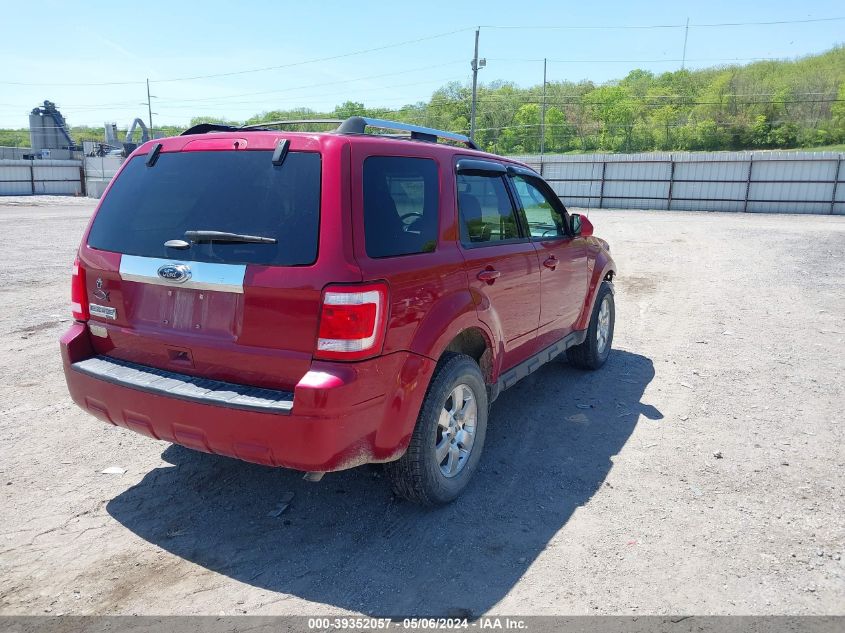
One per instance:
(173,385)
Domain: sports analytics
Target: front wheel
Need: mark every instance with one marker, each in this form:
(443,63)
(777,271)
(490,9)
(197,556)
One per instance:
(593,352)
(449,436)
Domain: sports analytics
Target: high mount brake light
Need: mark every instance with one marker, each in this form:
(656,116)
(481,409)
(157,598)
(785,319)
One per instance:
(78,293)
(352,321)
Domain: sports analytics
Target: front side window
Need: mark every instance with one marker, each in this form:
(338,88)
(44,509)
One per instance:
(401,205)
(544,219)
(487,215)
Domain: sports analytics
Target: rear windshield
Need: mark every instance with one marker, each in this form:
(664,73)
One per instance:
(231,191)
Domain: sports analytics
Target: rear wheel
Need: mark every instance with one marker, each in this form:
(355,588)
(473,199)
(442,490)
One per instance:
(449,436)
(593,352)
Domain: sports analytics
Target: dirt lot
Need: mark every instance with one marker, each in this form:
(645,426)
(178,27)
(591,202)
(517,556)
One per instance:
(702,472)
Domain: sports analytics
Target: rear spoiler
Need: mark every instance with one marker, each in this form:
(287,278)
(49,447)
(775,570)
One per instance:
(205,128)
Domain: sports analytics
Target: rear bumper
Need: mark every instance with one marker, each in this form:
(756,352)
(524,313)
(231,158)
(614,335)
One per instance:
(342,414)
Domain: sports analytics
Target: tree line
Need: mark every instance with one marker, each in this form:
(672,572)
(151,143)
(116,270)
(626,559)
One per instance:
(765,104)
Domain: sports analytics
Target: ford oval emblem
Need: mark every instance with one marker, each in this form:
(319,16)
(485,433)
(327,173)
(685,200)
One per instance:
(177,273)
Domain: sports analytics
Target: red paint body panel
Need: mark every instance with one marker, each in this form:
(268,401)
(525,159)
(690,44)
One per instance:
(344,413)
(599,265)
(561,287)
(263,337)
(362,412)
(510,304)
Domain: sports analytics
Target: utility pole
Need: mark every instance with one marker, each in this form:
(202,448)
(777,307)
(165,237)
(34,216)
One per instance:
(150,108)
(474,87)
(543,119)
(686,35)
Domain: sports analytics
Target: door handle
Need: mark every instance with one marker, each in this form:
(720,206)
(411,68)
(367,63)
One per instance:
(489,275)
(551,262)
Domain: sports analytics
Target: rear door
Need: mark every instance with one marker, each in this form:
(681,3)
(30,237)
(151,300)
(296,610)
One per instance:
(500,262)
(402,234)
(562,256)
(237,311)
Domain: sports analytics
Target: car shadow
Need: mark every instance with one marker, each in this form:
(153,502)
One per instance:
(347,542)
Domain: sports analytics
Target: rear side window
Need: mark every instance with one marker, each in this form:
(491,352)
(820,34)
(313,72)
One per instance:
(401,205)
(487,215)
(231,191)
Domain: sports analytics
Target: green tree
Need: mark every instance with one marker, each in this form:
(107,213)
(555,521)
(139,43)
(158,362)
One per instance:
(837,119)
(617,112)
(350,108)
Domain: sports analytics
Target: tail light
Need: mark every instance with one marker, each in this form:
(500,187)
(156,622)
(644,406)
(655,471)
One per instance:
(78,293)
(352,321)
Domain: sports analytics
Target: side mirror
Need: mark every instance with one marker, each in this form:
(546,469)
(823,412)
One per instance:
(580,225)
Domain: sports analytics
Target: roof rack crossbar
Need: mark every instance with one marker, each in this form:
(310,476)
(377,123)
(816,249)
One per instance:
(359,124)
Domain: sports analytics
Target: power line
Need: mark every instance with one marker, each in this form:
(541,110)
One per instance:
(424,39)
(314,85)
(315,60)
(334,94)
(576,27)
(72,84)
(337,98)
(598,125)
(582,101)
(444,102)
(104,107)
(768,23)
(248,70)
(638,61)
(79,107)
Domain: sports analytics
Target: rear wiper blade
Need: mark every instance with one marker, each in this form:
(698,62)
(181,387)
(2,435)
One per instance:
(223,236)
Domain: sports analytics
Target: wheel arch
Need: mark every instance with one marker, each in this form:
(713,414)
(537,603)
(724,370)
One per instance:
(452,325)
(474,342)
(603,270)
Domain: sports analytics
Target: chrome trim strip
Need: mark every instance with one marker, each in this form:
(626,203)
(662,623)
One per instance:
(204,275)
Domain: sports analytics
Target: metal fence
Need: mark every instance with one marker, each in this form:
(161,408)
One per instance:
(763,182)
(99,170)
(33,177)
(14,153)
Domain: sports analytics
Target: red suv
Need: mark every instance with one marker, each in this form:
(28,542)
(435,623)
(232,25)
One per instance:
(323,300)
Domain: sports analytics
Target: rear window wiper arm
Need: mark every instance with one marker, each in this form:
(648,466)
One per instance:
(223,236)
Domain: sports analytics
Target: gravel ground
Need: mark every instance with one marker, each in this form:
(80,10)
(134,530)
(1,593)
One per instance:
(699,472)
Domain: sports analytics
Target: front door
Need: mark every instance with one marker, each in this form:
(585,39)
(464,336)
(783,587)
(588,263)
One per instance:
(562,257)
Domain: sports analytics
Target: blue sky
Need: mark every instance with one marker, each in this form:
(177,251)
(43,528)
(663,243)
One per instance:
(62,45)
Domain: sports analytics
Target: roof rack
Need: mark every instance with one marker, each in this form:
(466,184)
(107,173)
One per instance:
(359,125)
(352,125)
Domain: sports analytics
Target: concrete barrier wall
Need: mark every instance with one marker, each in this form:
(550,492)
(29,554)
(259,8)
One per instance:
(39,177)
(763,182)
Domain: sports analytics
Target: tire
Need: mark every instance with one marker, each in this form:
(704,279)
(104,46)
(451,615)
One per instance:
(419,474)
(591,354)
